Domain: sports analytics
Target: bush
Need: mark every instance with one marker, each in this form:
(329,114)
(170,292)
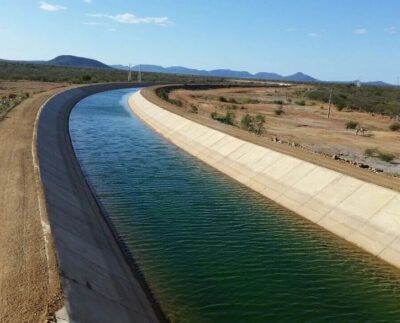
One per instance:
(86,78)
(279,111)
(352,124)
(302,103)
(280,102)
(387,157)
(376,153)
(247,122)
(222,99)
(175,102)
(395,126)
(194,109)
(228,118)
(253,124)
(251,101)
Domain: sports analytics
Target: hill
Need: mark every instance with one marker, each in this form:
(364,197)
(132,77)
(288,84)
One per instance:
(75,61)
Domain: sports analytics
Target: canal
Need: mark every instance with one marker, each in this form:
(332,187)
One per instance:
(211,249)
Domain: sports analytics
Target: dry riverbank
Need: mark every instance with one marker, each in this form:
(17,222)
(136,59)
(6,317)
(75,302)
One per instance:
(380,179)
(29,284)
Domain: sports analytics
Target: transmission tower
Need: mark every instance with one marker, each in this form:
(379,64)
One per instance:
(140,75)
(130,73)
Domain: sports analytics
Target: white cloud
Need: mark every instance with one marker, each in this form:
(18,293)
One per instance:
(128,18)
(87,1)
(91,23)
(50,7)
(360,31)
(390,30)
(314,35)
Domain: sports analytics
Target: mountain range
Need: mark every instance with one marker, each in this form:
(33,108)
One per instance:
(297,77)
(82,62)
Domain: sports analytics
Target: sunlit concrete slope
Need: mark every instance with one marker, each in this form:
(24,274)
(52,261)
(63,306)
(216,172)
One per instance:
(362,213)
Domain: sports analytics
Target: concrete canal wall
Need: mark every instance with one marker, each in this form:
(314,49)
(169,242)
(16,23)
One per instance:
(359,212)
(100,281)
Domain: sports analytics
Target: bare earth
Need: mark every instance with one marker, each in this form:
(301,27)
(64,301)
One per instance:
(306,125)
(29,284)
(302,131)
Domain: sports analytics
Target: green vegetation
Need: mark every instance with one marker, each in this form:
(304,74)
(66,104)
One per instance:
(352,124)
(228,118)
(302,103)
(163,93)
(10,101)
(376,153)
(12,71)
(382,100)
(251,101)
(395,126)
(222,99)
(193,109)
(280,102)
(225,100)
(253,124)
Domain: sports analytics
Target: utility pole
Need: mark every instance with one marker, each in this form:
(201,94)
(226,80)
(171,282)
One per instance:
(139,75)
(130,73)
(329,106)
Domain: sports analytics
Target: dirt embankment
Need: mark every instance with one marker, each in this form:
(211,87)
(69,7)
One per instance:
(29,283)
(303,126)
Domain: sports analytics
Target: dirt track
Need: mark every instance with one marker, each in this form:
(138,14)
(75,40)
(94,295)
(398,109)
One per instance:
(29,284)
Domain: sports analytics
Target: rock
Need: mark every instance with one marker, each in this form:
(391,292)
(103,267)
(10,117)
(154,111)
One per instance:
(335,157)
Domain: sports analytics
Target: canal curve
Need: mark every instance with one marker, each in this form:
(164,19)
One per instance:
(210,249)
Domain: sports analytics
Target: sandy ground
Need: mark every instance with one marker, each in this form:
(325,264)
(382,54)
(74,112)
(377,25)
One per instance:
(296,126)
(307,126)
(29,284)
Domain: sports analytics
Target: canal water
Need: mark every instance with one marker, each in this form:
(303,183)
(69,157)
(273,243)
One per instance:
(211,249)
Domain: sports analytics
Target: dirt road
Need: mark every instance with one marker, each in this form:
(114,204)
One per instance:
(29,284)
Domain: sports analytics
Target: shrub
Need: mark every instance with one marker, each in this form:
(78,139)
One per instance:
(175,102)
(222,99)
(352,124)
(279,111)
(340,105)
(302,103)
(193,109)
(228,118)
(376,153)
(387,157)
(259,124)
(280,102)
(247,122)
(395,126)
(86,78)
(251,101)
(253,124)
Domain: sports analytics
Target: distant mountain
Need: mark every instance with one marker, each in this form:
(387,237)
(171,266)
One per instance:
(298,77)
(377,83)
(75,61)
(82,62)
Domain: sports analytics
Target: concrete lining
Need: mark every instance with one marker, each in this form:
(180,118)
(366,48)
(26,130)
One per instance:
(100,280)
(362,213)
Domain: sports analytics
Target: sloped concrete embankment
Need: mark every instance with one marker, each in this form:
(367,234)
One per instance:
(99,280)
(362,213)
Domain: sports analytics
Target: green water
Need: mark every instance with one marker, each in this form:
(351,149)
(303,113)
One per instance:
(212,250)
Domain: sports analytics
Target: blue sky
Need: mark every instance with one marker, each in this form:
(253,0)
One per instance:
(330,40)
